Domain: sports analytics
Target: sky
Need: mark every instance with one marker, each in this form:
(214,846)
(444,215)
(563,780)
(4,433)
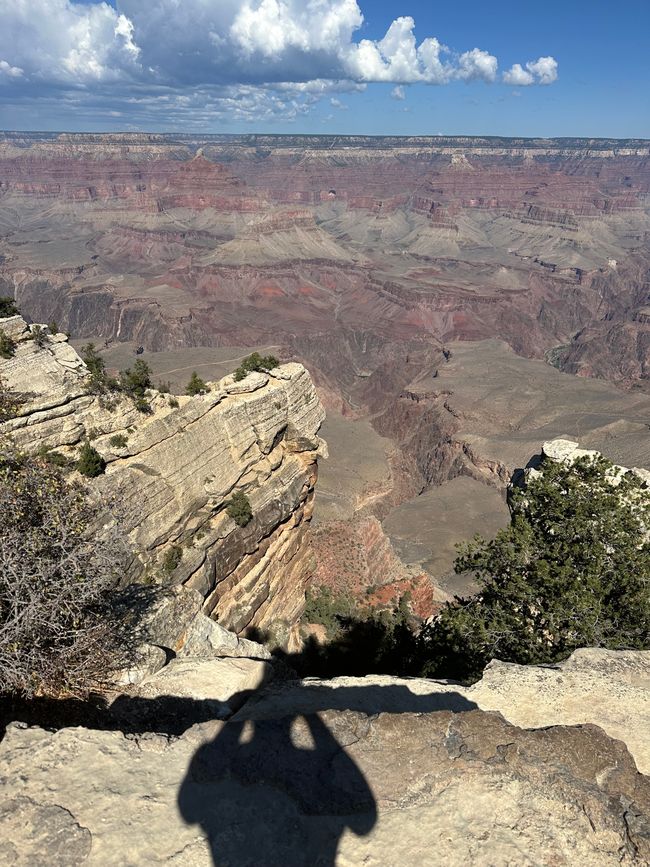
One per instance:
(362,67)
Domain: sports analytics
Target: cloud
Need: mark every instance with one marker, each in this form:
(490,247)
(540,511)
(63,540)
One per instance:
(477,64)
(541,71)
(398,92)
(545,69)
(280,55)
(10,71)
(519,76)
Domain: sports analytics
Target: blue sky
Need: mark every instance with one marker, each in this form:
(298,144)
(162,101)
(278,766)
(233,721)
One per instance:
(578,67)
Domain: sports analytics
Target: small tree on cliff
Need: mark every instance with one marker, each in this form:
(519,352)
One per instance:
(8,307)
(255,362)
(60,629)
(572,570)
(90,462)
(196,385)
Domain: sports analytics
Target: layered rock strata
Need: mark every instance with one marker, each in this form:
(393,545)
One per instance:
(169,480)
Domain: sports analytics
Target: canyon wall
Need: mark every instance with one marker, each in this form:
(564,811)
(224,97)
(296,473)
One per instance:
(171,473)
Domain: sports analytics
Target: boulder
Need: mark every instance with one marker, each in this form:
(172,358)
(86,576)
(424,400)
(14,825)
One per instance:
(205,638)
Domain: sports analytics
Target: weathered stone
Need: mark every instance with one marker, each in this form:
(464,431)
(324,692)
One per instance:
(250,383)
(169,616)
(41,835)
(609,688)
(222,684)
(170,484)
(206,638)
(149,658)
(339,788)
(567,452)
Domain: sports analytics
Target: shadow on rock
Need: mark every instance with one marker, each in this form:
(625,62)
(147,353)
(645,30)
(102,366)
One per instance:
(280,789)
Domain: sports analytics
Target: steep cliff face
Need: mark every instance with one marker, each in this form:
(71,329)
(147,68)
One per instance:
(170,483)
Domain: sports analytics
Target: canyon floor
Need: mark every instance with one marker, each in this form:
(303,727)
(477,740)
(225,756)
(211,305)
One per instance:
(457,302)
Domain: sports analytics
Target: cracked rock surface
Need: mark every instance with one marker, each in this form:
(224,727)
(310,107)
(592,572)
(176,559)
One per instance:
(338,787)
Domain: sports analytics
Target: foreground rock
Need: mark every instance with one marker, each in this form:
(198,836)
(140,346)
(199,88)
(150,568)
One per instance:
(429,789)
(353,771)
(609,688)
(171,473)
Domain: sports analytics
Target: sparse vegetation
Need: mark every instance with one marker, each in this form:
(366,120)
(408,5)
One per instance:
(10,402)
(572,570)
(136,380)
(327,609)
(8,307)
(39,335)
(56,459)
(99,381)
(142,405)
(196,385)
(7,346)
(53,326)
(239,509)
(255,362)
(172,558)
(118,441)
(60,630)
(90,463)
(173,402)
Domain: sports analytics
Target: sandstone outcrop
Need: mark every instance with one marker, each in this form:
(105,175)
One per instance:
(373,770)
(169,485)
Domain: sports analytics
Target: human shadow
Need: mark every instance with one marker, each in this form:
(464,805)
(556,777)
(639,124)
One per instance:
(277,786)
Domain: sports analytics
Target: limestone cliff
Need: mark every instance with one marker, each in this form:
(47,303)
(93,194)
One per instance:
(169,479)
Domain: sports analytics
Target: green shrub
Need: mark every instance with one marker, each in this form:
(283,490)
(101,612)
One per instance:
(239,508)
(173,402)
(7,346)
(196,385)
(172,558)
(8,307)
(118,441)
(255,362)
(10,402)
(99,381)
(56,459)
(324,607)
(164,387)
(39,335)
(137,379)
(142,405)
(90,462)
(572,570)
(53,326)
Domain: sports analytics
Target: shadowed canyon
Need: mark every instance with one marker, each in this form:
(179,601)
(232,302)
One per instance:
(456,301)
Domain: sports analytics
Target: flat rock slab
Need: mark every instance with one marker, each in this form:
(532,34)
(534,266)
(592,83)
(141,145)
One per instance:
(608,688)
(338,788)
(223,684)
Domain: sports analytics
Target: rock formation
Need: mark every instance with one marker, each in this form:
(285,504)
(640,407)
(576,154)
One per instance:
(170,474)
(352,771)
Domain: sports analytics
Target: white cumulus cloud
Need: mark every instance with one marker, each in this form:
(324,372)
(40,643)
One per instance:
(540,71)
(398,92)
(282,55)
